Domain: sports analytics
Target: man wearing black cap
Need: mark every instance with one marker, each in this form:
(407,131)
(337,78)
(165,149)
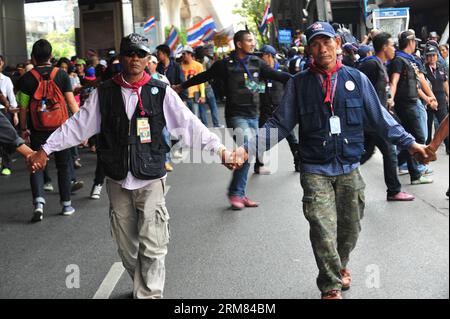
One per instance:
(129,112)
(439,82)
(333,105)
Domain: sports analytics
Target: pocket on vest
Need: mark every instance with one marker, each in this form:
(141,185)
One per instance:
(150,164)
(353,147)
(353,110)
(310,120)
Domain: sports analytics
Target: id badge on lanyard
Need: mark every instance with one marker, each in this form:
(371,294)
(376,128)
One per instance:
(335,121)
(143,130)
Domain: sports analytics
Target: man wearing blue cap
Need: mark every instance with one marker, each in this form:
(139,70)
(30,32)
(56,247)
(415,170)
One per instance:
(333,105)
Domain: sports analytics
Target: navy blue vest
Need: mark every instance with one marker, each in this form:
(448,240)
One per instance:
(317,145)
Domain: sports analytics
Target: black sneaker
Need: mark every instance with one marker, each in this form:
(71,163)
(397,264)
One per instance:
(76,186)
(38,215)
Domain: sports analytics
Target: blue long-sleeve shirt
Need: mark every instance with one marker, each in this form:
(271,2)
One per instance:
(286,117)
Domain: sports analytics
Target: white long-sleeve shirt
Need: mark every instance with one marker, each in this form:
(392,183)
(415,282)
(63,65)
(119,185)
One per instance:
(7,88)
(87,122)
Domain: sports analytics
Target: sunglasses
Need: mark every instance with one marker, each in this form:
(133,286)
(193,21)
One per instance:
(140,54)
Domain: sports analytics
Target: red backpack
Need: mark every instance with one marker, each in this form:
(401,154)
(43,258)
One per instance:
(47,107)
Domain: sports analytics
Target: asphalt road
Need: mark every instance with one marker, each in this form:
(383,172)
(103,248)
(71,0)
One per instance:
(403,251)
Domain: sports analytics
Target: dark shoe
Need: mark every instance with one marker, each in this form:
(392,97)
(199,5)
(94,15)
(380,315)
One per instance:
(346,278)
(38,215)
(76,186)
(332,294)
(262,170)
(68,210)
(400,197)
(249,203)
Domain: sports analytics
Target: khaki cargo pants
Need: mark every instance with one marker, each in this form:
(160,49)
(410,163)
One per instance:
(334,207)
(140,227)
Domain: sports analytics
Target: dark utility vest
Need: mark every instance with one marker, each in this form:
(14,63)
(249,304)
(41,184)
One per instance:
(317,145)
(119,147)
(407,85)
(240,100)
(382,78)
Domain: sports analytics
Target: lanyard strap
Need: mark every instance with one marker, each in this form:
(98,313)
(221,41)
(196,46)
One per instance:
(244,65)
(433,72)
(332,93)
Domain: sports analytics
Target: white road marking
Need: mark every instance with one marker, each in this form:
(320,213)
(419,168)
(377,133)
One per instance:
(109,283)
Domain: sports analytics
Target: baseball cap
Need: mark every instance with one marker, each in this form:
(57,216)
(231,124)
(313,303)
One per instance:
(430,50)
(408,34)
(364,50)
(80,62)
(103,62)
(433,34)
(319,28)
(187,48)
(153,59)
(134,42)
(432,43)
(350,47)
(268,49)
(90,74)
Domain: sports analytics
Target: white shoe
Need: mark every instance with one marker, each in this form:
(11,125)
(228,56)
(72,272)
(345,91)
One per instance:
(48,187)
(178,154)
(96,191)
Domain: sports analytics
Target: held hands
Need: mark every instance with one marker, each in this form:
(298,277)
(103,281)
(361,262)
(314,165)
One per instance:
(423,154)
(234,160)
(177,88)
(37,161)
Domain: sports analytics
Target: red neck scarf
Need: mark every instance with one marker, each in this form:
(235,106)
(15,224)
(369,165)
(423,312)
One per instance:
(118,79)
(327,83)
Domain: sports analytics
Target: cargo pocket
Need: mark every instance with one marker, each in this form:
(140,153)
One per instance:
(310,120)
(353,109)
(308,201)
(162,226)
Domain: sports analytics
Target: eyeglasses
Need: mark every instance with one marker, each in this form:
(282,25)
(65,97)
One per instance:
(140,54)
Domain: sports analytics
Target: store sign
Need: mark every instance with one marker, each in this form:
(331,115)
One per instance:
(285,36)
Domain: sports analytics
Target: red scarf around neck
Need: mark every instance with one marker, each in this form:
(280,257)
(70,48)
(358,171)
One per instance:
(328,74)
(119,80)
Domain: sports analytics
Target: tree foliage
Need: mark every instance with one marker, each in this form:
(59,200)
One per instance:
(253,11)
(63,43)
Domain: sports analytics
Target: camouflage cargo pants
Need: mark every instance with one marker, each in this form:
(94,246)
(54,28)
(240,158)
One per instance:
(334,207)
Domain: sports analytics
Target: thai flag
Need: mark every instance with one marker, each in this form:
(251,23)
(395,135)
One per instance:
(150,24)
(198,31)
(267,19)
(179,50)
(172,38)
(209,36)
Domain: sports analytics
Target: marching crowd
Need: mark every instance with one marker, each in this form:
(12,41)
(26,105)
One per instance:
(348,97)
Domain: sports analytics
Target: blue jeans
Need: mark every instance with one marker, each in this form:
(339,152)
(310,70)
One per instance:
(193,106)
(211,100)
(422,110)
(249,127)
(166,136)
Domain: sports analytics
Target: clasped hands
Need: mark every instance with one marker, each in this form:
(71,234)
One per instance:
(36,161)
(234,160)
